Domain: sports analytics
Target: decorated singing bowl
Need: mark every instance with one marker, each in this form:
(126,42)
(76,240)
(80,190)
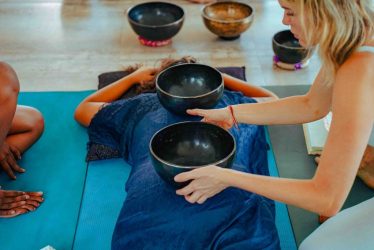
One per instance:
(287,48)
(184,146)
(156,21)
(228,20)
(188,86)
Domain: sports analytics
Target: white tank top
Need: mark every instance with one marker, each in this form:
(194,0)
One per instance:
(369,49)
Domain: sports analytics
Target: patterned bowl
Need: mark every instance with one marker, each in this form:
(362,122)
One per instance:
(228,20)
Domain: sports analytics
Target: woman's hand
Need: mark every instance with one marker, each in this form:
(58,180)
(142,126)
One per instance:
(144,75)
(13,203)
(206,182)
(8,160)
(221,117)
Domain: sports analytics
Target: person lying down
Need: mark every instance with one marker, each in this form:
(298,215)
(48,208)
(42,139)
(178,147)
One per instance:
(153,216)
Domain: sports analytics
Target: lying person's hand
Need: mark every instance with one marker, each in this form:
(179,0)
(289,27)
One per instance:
(206,182)
(221,117)
(144,75)
(8,160)
(202,1)
(13,203)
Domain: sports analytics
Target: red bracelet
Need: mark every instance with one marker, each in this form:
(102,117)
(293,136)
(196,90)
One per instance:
(233,117)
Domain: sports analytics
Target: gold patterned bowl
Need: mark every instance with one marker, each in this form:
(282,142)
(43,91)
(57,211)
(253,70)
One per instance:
(228,20)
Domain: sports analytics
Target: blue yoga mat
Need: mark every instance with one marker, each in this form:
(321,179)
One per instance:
(55,165)
(103,198)
(282,219)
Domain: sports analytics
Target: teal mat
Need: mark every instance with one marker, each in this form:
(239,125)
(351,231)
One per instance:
(282,219)
(55,165)
(104,194)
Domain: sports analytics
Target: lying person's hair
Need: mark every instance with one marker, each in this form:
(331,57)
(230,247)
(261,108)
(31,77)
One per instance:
(164,64)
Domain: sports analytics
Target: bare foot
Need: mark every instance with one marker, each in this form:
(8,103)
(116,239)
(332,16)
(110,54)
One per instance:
(13,203)
(366,169)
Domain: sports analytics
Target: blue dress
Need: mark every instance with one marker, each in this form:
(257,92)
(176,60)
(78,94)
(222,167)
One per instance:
(153,216)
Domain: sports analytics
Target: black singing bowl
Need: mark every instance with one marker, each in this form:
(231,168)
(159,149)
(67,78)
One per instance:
(184,146)
(156,21)
(288,49)
(188,86)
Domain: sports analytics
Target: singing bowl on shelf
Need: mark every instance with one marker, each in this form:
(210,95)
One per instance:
(156,21)
(228,20)
(288,49)
(188,86)
(184,146)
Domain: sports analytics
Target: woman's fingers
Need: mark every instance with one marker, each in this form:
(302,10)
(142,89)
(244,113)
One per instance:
(185,176)
(16,153)
(194,112)
(202,199)
(13,164)
(7,168)
(187,190)
(194,197)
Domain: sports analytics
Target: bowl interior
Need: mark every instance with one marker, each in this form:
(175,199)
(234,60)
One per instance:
(189,80)
(192,144)
(156,13)
(228,11)
(287,39)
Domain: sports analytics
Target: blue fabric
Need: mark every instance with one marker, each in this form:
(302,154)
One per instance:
(153,216)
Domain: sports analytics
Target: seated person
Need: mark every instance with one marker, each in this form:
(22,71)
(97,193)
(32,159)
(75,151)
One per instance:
(153,216)
(20,127)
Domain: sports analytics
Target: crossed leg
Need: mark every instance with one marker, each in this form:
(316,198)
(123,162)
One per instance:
(26,128)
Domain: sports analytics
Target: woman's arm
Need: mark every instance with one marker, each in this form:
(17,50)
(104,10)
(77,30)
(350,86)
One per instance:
(295,109)
(91,104)
(290,110)
(246,88)
(325,193)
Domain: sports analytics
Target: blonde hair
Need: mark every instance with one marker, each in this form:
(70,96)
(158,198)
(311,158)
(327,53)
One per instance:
(338,27)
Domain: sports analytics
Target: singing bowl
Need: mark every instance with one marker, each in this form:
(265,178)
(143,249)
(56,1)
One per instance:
(228,20)
(188,86)
(184,146)
(156,21)
(288,49)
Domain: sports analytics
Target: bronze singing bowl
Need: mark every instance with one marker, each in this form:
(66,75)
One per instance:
(228,20)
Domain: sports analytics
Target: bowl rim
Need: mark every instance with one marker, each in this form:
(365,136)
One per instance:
(154,26)
(285,46)
(158,88)
(191,167)
(205,16)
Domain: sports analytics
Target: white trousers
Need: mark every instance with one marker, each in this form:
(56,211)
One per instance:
(350,229)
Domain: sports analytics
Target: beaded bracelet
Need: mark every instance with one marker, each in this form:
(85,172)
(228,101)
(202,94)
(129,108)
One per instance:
(233,117)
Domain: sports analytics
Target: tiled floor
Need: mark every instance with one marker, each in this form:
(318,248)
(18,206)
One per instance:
(64,45)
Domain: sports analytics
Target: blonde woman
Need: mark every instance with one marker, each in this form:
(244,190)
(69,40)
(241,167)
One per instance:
(343,31)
